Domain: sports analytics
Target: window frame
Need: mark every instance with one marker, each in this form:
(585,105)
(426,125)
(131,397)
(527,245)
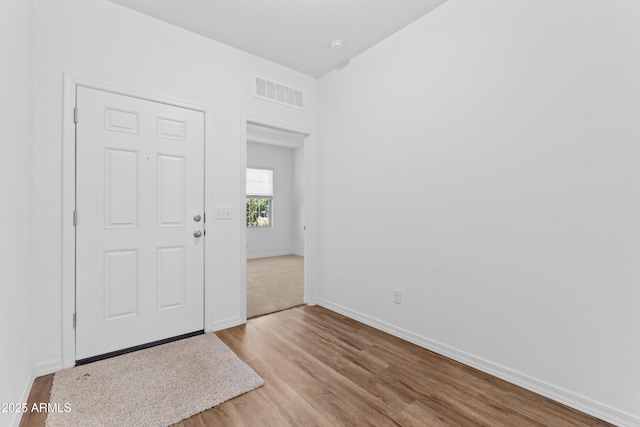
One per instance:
(269,198)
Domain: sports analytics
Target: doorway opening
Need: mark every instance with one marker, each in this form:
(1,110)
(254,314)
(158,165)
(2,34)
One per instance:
(275,219)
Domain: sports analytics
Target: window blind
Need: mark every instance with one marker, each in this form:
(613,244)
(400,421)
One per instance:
(259,182)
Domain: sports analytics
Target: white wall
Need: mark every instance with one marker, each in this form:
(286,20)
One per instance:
(485,161)
(103,42)
(16,213)
(277,239)
(299,198)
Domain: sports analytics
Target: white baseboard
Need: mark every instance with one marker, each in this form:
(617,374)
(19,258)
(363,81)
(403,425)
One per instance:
(17,416)
(558,394)
(268,255)
(47,368)
(226,324)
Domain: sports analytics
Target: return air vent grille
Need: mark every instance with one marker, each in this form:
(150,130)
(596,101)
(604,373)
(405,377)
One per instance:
(281,94)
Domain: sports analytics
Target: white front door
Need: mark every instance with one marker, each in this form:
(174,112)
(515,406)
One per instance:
(140,222)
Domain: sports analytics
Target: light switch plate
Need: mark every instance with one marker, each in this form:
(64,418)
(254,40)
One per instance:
(223,212)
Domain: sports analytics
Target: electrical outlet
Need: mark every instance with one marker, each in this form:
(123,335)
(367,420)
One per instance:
(397,296)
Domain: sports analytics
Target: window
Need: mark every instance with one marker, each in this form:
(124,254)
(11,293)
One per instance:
(259,197)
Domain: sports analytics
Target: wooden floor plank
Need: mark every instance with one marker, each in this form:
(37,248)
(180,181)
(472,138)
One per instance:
(323,369)
(39,394)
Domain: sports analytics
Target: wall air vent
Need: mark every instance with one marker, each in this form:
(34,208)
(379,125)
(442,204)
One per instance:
(281,94)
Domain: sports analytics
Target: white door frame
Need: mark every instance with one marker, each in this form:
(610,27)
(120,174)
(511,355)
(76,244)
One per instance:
(69,199)
(310,209)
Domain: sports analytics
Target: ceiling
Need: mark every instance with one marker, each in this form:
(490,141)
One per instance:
(293,33)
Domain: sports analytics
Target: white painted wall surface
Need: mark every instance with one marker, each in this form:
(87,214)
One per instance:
(104,42)
(298,201)
(485,161)
(16,213)
(277,239)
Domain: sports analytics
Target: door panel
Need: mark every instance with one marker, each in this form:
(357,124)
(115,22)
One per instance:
(120,188)
(170,282)
(120,284)
(171,191)
(140,181)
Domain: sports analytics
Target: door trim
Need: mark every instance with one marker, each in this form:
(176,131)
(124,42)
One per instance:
(310,215)
(70,86)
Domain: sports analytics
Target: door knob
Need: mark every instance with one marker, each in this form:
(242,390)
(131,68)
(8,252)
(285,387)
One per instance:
(197,218)
(197,233)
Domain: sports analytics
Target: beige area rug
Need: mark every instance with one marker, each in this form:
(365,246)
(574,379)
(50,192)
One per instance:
(274,284)
(157,386)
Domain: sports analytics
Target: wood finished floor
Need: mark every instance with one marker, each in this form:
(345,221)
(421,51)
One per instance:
(323,369)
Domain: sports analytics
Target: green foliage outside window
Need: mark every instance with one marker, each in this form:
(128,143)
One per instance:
(258,212)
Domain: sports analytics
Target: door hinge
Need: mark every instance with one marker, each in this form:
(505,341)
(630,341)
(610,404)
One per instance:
(75,217)
(75,320)
(75,115)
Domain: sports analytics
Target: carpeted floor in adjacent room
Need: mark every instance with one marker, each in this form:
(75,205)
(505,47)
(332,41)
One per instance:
(274,284)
